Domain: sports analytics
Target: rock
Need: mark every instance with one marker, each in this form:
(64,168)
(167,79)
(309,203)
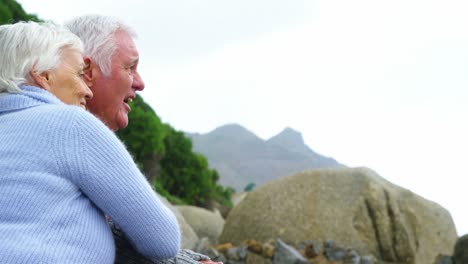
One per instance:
(189,237)
(286,254)
(461,250)
(214,206)
(242,251)
(221,258)
(203,243)
(204,247)
(268,249)
(337,254)
(238,197)
(333,252)
(320,259)
(352,257)
(443,259)
(237,253)
(368,260)
(204,222)
(233,254)
(312,248)
(253,258)
(254,246)
(223,247)
(356,207)
(234,262)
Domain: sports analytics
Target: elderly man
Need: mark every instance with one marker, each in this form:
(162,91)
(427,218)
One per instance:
(111,60)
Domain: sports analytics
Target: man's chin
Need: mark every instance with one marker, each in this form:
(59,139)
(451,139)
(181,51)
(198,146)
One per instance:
(121,120)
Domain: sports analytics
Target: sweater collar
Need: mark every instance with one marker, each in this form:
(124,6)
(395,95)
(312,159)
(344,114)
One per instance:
(30,96)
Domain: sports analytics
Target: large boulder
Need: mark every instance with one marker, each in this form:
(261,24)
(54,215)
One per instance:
(460,254)
(354,207)
(205,223)
(189,237)
(238,197)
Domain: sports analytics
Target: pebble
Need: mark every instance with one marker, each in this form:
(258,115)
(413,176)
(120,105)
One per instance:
(307,251)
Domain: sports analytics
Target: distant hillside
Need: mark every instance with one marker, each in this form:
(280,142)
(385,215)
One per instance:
(241,157)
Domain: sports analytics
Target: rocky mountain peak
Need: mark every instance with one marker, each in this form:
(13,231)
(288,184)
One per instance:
(287,138)
(234,131)
(242,158)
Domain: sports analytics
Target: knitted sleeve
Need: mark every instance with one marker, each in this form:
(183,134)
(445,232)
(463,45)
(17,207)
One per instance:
(103,169)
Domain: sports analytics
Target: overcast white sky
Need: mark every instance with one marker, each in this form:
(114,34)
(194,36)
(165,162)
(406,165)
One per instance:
(381,84)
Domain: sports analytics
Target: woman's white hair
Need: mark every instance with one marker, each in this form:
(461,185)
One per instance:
(98,35)
(27,46)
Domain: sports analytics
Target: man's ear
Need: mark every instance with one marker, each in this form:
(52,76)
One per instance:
(90,71)
(42,80)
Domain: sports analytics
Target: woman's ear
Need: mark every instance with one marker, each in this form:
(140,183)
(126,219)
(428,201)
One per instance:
(41,79)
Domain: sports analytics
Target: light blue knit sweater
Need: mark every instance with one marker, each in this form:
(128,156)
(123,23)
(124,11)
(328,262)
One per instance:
(61,169)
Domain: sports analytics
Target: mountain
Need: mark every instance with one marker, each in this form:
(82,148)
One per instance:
(241,157)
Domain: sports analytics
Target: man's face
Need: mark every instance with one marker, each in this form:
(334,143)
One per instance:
(113,93)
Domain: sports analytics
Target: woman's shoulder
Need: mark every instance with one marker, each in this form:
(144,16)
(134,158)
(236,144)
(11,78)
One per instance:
(72,117)
(63,112)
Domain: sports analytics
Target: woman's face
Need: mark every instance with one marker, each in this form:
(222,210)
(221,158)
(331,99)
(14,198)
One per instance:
(66,81)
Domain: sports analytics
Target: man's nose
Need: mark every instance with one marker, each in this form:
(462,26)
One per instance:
(138,83)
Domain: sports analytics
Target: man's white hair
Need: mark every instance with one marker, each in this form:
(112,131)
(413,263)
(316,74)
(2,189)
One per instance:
(25,46)
(98,35)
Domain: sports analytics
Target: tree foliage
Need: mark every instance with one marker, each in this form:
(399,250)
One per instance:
(12,12)
(144,137)
(249,187)
(186,174)
(167,158)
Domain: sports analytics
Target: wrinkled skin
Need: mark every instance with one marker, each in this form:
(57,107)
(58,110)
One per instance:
(113,93)
(66,80)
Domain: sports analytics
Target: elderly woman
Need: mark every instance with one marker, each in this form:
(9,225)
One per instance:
(61,169)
